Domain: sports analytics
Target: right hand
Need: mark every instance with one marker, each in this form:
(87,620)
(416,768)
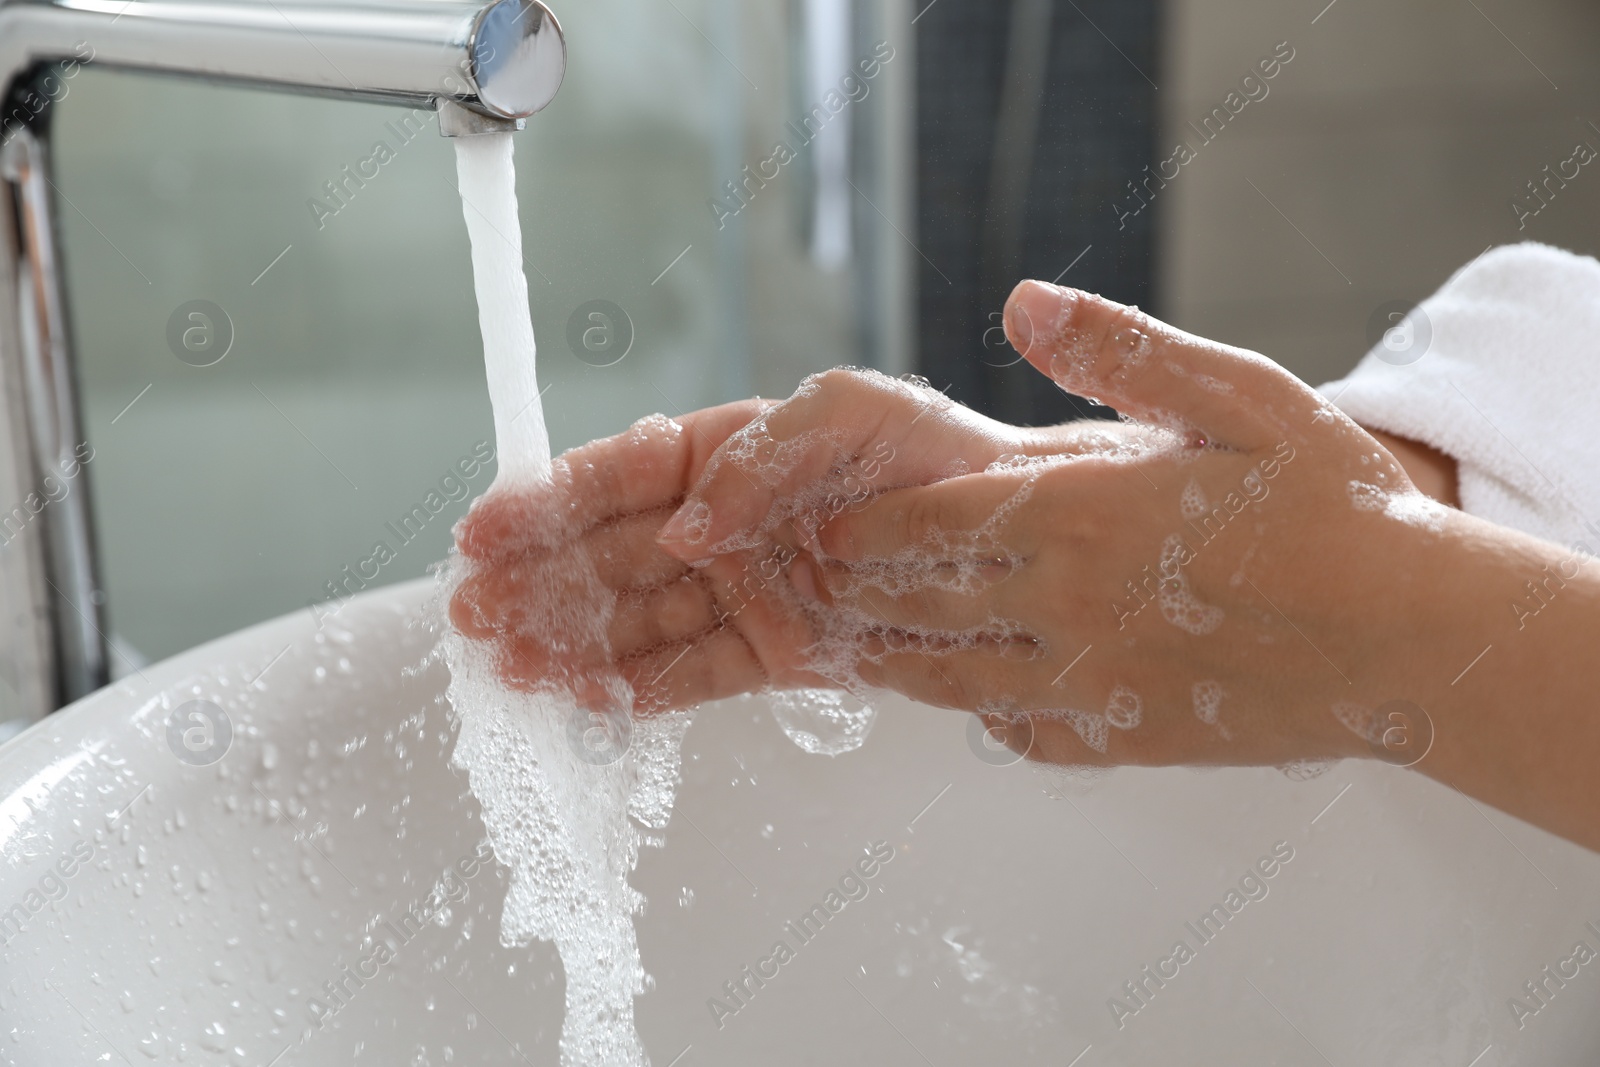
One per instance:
(711,618)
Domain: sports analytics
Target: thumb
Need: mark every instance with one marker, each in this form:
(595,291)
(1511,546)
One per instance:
(1120,356)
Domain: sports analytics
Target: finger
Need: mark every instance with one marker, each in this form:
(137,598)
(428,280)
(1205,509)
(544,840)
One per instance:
(957,518)
(469,614)
(649,465)
(1095,347)
(528,592)
(625,554)
(708,666)
(529,664)
(668,615)
(851,431)
(948,595)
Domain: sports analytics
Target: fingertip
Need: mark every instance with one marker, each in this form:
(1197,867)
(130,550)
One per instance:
(1033,317)
(684,535)
(463,616)
(466,609)
(476,530)
(495,525)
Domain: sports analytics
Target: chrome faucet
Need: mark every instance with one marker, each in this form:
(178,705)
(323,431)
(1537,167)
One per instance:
(485,66)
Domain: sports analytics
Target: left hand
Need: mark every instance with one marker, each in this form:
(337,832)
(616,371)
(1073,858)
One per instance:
(1235,596)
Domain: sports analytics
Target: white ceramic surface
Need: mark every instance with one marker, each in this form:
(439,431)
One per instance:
(207,906)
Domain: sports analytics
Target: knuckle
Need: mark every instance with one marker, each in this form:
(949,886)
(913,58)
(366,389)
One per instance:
(1099,337)
(922,519)
(918,608)
(1125,338)
(1079,318)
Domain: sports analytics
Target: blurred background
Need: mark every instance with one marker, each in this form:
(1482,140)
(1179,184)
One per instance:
(343,383)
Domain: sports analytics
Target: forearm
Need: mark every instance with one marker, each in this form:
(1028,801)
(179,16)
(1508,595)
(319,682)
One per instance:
(1504,662)
(1518,722)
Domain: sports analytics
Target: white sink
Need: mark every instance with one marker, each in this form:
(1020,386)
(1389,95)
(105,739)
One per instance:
(217,902)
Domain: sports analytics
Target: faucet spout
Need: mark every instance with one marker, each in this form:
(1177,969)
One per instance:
(485,64)
(460,120)
(505,58)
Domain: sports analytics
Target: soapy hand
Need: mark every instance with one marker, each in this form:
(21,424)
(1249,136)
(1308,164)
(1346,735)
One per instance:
(1193,588)
(1241,576)
(542,559)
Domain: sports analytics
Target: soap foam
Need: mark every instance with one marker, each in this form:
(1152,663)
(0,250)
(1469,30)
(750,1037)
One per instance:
(1177,602)
(1307,769)
(1092,729)
(1124,710)
(1207,698)
(845,634)
(1408,506)
(1360,720)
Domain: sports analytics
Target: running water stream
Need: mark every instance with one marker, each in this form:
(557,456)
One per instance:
(568,825)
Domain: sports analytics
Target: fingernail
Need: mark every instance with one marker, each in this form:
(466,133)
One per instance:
(1019,327)
(688,525)
(675,532)
(1041,308)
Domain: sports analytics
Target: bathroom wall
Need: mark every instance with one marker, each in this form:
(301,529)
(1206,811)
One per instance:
(1385,155)
(352,393)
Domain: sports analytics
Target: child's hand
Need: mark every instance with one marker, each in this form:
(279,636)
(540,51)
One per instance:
(682,635)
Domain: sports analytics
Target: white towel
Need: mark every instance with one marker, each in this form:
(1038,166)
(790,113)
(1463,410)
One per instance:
(1509,385)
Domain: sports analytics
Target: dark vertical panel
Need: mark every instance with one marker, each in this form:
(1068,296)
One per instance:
(1096,129)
